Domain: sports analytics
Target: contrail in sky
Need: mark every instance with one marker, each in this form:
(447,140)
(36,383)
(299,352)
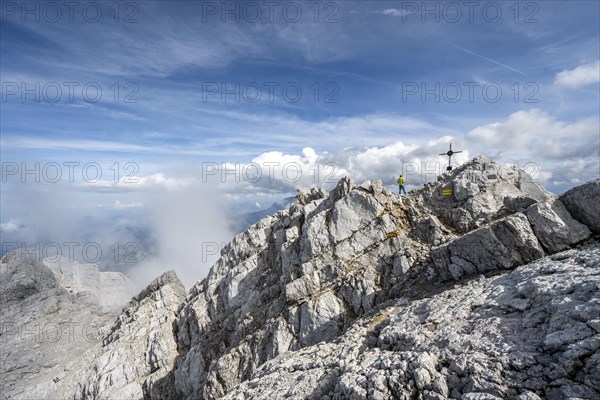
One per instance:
(489,59)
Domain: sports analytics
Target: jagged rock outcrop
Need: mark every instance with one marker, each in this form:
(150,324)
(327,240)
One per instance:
(357,293)
(504,244)
(53,313)
(529,334)
(290,281)
(22,275)
(110,290)
(137,356)
(303,276)
(483,191)
(555,228)
(582,203)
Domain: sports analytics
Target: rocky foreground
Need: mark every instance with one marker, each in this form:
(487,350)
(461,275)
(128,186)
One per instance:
(490,293)
(528,334)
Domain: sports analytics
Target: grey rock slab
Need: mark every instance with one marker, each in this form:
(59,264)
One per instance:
(584,205)
(504,244)
(554,227)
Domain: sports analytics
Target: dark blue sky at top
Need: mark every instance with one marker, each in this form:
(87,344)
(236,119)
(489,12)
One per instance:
(164,54)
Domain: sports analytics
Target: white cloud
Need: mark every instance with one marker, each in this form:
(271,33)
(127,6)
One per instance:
(579,77)
(154,182)
(538,134)
(11,225)
(418,161)
(120,206)
(277,172)
(190,226)
(181,225)
(558,153)
(394,12)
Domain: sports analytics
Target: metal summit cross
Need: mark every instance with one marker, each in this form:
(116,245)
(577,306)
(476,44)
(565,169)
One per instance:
(449,153)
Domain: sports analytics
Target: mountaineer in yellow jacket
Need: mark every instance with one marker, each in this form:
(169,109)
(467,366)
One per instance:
(401,185)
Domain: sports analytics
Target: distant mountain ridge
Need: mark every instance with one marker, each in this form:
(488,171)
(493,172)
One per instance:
(247,219)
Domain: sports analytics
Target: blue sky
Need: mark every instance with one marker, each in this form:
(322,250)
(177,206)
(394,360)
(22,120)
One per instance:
(382,84)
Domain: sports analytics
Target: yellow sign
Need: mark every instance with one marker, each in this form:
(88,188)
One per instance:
(447,192)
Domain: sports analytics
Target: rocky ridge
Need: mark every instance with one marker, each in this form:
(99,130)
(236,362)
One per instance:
(527,334)
(53,312)
(136,356)
(358,293)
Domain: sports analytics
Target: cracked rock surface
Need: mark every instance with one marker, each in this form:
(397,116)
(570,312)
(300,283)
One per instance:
(527,334)
(53,314)
(356,293)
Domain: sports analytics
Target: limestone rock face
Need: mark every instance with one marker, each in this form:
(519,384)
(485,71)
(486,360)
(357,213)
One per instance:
(290,281)
(137,356)
(302,276)
(359,293)
(109,289)
(555,228)
(582,202)
(23,275)
(482,192)
(50,321)
(531,333)
(506,243)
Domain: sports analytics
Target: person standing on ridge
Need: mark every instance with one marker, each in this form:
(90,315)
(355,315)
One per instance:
(401,185)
